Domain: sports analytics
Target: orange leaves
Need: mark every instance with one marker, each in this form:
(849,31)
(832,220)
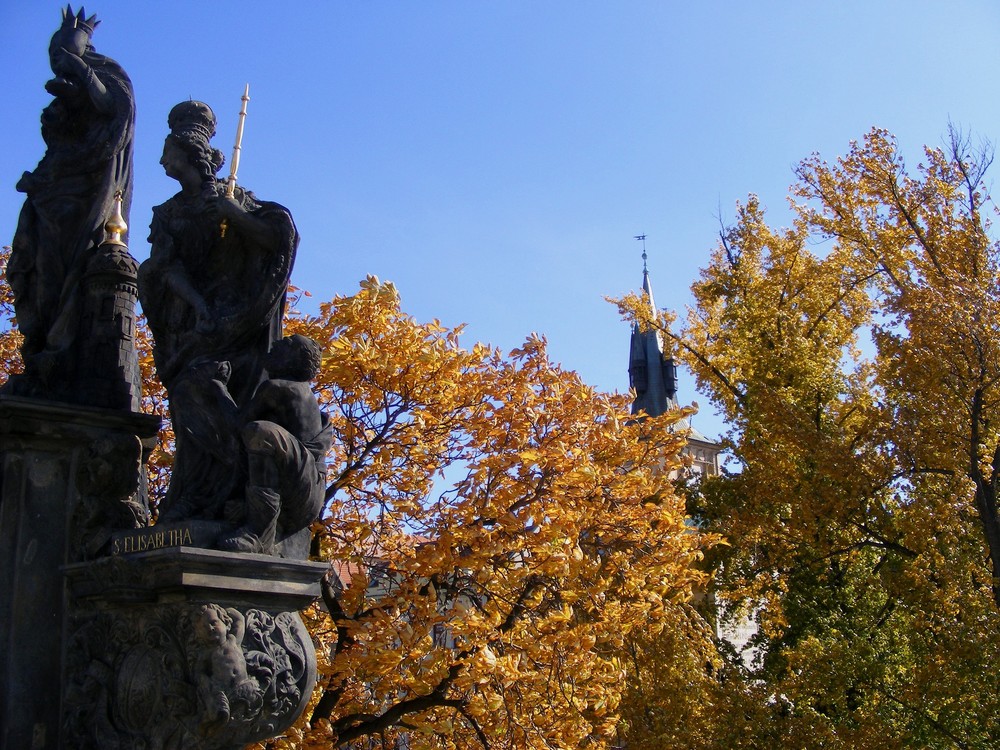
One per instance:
(508,535)
(10,338)
(489,519)
(154,401)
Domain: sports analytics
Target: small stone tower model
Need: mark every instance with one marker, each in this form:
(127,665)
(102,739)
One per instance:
(109,362)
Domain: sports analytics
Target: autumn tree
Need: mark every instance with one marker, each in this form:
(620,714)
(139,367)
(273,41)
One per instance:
(500,526)
(675,687)
(496,530)
(10,339)
(856,357)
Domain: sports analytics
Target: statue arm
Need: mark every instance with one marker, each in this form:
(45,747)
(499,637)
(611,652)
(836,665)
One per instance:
(91,84)
(239,624)
(178,280)
(98,93)
(264,232)
(174,276)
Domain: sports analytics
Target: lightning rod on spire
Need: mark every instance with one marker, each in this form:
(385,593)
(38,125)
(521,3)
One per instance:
(643,238)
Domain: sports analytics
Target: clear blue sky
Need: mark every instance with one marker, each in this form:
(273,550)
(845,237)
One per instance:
(494,159)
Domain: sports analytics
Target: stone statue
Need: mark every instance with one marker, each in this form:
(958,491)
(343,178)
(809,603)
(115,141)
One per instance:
(88,130)
(184,675)
(207,470)
(122,634)
(213,291)
(225,689)
(286,438)
(107,479)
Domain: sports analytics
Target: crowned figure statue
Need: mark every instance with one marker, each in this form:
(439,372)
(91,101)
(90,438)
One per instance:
(213,291)
(88,131)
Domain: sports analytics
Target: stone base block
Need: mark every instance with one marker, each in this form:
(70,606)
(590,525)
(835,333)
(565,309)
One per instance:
(183,647)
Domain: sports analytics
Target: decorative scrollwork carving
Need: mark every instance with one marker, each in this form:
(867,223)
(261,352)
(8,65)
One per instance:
(185,675)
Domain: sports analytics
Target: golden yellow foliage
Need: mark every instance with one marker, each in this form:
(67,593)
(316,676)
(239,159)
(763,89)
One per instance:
(491,514)
(154,401)
(856,356)
(10,339)
(497,529)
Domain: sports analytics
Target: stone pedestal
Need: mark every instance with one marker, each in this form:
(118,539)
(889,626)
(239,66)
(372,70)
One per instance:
(179,647)
(113,635)
(46,448)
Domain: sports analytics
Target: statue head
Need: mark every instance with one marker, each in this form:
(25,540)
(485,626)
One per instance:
(213,624)
(294,357)
(192,119)
(74,34)
(192,126)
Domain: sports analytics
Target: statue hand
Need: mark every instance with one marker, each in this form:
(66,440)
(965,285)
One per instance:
(72,65)
(229,208)
(61,87)
(26,183)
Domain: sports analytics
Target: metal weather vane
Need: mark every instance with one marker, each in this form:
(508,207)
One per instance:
(642,237)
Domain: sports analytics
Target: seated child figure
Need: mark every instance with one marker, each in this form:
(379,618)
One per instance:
(286,437)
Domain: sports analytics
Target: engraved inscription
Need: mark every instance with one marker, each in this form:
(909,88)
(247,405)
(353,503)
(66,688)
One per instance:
(147,539)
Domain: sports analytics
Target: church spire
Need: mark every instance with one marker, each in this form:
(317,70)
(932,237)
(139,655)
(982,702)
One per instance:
(652,375)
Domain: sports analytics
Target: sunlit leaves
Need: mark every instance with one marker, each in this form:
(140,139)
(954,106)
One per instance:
(499,526)
(856,358)
(493,514)
(10,339)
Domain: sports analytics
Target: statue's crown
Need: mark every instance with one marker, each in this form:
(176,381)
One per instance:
(192,118)
(79,21)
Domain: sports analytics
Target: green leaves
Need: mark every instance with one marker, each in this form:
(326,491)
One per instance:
(856,358)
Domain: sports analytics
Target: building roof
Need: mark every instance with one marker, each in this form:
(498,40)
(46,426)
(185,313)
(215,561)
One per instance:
(652,374)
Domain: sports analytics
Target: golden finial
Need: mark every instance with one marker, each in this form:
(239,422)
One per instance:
(115,226)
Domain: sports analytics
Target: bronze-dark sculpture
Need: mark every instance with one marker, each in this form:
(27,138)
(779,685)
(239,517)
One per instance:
(214,299)
(156,639)
(205,294)
(251,440)
(185,675)
(87,129)
(286,438)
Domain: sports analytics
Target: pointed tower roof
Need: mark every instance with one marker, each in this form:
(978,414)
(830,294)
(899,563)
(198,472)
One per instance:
(652,375)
